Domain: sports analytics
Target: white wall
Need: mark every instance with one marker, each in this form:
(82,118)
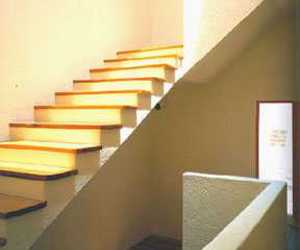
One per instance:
(46,44)
(206,23)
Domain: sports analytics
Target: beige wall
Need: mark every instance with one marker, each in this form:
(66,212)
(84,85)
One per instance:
(47,44)
(210,127)
(227,213)
(271,230)
(167,22)
(210,203)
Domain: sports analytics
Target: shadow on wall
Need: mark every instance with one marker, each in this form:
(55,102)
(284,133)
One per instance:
(210,127)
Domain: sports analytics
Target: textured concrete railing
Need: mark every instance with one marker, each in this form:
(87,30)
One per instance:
(226,213)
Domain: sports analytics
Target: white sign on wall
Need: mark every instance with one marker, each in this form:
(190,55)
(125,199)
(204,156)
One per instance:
(276,145)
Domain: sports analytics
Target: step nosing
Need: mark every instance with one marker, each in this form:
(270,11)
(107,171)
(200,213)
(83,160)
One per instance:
(104,92)
(84,107)
(64,126)
(176,56)
(50,149)
(132,67)
(150,49)
(38,177)
(130,79)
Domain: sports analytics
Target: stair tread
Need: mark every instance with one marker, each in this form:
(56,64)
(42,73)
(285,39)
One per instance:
(30,168)
(85,107)
(65,125)
(14,205)
(151,49)
(103,92)
(132,67)
(50,146)
(125,79)
(143,58)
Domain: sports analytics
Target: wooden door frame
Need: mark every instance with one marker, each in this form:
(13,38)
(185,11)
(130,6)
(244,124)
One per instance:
(296,148)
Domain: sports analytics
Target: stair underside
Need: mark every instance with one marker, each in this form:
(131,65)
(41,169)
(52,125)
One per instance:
(15,206)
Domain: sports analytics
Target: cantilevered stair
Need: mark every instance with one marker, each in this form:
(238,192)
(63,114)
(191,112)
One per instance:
(66,137)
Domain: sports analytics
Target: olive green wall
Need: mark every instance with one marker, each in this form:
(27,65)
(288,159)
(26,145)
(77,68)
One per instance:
(211,127)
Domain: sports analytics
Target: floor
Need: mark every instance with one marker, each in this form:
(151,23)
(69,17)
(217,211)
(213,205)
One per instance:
(158,243)
(294,238)
(162,243)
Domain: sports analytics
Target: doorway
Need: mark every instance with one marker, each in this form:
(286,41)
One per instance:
(278,141)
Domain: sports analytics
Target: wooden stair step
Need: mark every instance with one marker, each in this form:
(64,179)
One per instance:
(84,107)
(105,69)
(153,85)
(121,79)
(87,133)
(104,114)
(49,146)
(172,60)
(162,71)
(11,206)
(152,51)
(68,156)
(138,98)
(142,58)
(63,125)
(104,92)
(34,171)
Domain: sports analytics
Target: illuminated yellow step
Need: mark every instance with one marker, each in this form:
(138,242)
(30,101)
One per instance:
(67,155)
(102,115)
(66,132)
(153,51)
(161,71)
(172,60)
(136,98)
(34,171)
(153,85)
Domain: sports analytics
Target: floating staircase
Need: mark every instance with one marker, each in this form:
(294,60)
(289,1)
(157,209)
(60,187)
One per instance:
(102,111)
